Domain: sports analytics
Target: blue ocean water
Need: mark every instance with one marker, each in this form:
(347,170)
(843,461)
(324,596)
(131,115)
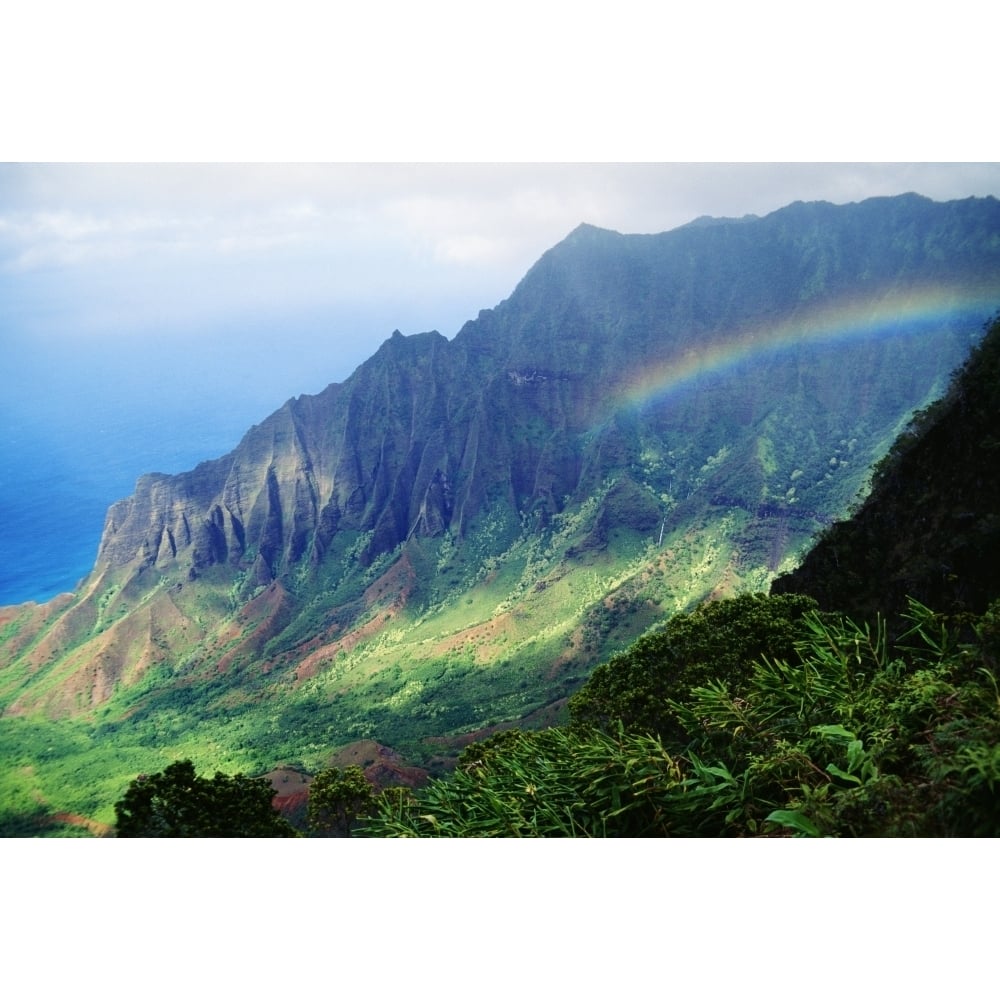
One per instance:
(56,484)
(79,426)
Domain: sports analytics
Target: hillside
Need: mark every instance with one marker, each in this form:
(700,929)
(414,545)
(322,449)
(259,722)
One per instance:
(451,539)
(930,528)
(765,716)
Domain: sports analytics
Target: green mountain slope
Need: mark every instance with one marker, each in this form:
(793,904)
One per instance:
(763,716)
(452,538)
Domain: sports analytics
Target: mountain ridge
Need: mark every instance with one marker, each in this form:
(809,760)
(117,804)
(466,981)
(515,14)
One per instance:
(427,348)
(452,537)
(292,482)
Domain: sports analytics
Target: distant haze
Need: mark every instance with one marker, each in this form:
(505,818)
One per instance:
(277,261)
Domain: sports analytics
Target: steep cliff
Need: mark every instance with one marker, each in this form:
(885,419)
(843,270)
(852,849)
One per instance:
(528,397)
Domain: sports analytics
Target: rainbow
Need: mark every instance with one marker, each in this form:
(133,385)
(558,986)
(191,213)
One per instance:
(912,312)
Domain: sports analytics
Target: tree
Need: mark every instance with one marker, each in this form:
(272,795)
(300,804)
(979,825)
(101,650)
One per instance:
(178,803)
(338,799)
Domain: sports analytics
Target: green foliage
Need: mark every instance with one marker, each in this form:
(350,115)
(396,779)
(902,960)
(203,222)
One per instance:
(859,738)
(557,524)
(337,799)
(556,782)
(716,642)
(849,735)
(178,803)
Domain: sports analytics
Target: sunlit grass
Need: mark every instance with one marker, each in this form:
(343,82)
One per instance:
(494,640)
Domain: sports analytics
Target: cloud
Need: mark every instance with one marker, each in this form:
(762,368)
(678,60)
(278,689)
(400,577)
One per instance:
(106,248)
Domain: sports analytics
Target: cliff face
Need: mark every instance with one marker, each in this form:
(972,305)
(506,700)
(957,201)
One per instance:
(525,400)
(688,389)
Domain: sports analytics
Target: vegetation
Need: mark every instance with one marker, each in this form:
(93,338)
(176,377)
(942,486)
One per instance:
(178,803)
(763,715)
(850,736)
(930,527)
(718,641)
(337,798)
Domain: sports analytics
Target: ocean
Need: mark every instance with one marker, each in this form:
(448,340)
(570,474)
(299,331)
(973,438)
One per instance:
(78,426)
(57,482)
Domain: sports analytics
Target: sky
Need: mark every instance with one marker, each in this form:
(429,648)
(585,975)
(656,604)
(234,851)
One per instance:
(276,194)
(304,269)
(206,209)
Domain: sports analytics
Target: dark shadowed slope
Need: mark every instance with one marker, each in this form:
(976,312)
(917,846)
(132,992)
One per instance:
(930,529)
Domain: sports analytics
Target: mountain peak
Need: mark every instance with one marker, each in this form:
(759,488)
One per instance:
(716,220)
(586,231)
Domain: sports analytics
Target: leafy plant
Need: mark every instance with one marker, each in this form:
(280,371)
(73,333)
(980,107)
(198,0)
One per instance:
(337,798)
(178,803)
(717,642)
(851,735)
(556,782)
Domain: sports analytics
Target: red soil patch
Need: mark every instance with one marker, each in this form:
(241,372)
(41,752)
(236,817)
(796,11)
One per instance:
(382,765)
(291,798)
(485,632)
(398,583)
(399,579)
(74,819)
(293,807)
(288,781)
(316,661)
(258,621)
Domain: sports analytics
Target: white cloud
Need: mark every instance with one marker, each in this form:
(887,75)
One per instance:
(121,247)
(469,248)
